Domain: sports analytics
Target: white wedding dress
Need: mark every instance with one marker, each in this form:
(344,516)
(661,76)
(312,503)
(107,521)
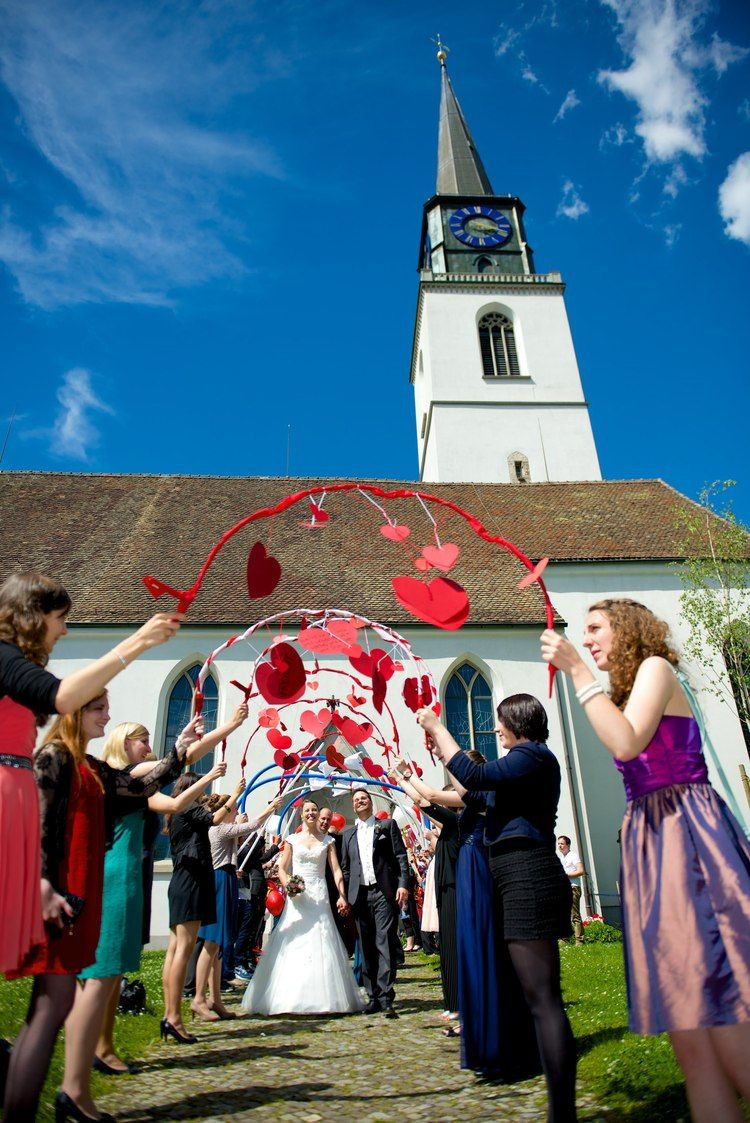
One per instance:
(304,968)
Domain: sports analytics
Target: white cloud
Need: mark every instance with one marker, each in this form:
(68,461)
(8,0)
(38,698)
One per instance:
(528,75)
(569,102)
(616,135)
(672,233)
(734,199)
(571,204)
(676,179)
(505,39)
(744,109)
(73,434)
(121,101)
(661,40)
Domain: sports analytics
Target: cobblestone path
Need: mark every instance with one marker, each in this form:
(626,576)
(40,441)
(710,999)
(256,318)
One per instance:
(363,1069)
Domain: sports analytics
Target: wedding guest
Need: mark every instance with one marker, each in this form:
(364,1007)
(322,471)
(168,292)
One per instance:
(532,892)
(685,879)
(80,797)
(573,866)
(430,923)
(119,949)
(331,824)
(252,856)
(497,1031)
(446,857)
(192,898)
(221,934)
(33,617)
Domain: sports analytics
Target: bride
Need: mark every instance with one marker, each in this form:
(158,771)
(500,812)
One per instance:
(304,968)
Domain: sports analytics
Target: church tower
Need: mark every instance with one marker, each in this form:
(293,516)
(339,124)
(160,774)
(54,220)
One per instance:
(497,390)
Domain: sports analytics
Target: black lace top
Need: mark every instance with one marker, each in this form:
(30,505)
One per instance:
(123,794)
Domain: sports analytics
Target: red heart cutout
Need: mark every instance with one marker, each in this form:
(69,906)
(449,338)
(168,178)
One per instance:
(269,718)
(339,637)
(442,557)
(437,709)
(426,691)
(395,532)
(365,662)
(441,602)
(277,739)
(412,695)
(263,572)
(534,575)
(354,700)
(335,758)
(285,761)
(372,769)
(352,732)
(312,685)
(283,678)
(315,724)
(422,564)
(378,689)
(319,515)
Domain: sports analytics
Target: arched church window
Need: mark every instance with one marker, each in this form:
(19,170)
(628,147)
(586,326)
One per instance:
(469,716)
(518,468)
(497,344)
(179,709)
(484,265)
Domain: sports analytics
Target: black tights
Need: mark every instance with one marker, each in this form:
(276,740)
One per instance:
(51,999)
(537,965)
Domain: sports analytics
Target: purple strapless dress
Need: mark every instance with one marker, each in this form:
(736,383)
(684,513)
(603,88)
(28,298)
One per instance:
(685,886)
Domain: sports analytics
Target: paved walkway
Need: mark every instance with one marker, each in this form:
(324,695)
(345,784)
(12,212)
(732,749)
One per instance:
(340,1070)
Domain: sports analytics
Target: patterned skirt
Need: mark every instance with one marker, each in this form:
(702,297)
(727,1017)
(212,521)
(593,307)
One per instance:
(533,893)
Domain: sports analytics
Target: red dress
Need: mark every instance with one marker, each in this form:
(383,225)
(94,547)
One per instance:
(81,871)
(21,926)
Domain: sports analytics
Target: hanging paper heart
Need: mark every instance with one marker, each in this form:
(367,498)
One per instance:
(437,709)
(277,739)
(365,662)
(534,575)
(354,700)
(441,602)
(286,761)
(339,637)
(417,769)
(318,514)
(412,695)
(352,732)
(426,691)
(442,557)
(398,666)
(422,564)
(372,769)
(263,572)
(335,759)
(378,689)
(269,718)
(312,685)
(395,532)
(313,723)
(283,678)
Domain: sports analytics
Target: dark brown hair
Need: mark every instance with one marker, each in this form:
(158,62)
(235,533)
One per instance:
(525,717)
(636,635)
(25,598)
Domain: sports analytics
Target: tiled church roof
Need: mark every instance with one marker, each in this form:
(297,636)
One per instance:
(101,533)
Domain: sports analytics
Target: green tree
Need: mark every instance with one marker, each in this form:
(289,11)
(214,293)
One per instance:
(715,598)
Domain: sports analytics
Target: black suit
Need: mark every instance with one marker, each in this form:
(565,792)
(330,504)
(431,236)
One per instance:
(375,908)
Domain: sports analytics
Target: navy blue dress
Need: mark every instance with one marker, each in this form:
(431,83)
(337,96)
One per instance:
(497,1030)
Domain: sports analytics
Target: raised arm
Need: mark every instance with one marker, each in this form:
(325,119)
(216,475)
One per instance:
(624,733)
(80,687)
(424,791)
(209,741)
(169,804)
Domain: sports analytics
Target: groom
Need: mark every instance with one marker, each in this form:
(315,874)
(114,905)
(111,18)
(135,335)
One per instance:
(376,872)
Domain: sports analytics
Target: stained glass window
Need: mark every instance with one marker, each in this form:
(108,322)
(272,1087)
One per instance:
(469,715)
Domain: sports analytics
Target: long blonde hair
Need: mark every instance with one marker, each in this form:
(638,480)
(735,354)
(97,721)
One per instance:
(637,634)
(66,733)
(114,751)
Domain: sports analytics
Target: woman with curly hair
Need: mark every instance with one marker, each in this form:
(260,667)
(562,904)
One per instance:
(685,879)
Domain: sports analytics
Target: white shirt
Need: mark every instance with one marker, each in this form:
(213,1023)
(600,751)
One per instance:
(366,843)
(571,861)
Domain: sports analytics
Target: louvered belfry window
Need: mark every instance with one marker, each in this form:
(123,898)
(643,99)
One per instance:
(498,346)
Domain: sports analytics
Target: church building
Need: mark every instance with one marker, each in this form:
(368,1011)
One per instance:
(503,432)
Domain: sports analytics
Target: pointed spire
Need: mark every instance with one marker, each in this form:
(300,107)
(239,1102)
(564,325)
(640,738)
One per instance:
(460,169)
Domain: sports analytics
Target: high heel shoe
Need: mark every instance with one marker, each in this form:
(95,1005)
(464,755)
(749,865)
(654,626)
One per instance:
(203,1015)
(168,1030)
(65,1109)
(223,1015)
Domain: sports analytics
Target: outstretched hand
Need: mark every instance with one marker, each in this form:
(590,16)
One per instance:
(559,651)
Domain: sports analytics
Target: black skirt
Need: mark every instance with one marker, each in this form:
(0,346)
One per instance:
(192,894)
(533,893)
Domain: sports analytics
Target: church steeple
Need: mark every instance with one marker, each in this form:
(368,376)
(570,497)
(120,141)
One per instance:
(460,170)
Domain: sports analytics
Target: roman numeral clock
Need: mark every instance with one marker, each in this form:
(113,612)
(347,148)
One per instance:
(480,227)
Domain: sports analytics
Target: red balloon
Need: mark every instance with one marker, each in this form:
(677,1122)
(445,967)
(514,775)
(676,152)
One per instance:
(338,822)
(274,900)
(381,815)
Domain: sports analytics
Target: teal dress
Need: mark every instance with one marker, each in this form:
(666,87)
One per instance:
(119,949)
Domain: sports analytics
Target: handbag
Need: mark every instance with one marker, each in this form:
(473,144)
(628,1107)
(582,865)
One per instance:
(132,997)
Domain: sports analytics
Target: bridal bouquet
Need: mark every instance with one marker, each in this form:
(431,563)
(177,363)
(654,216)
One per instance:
(295,885)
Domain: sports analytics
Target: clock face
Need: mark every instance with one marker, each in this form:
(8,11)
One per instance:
(480,226)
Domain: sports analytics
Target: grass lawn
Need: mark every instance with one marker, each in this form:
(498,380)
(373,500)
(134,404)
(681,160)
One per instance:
(636,1077)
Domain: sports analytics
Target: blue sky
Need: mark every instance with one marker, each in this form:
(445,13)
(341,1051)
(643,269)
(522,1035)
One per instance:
(210,220)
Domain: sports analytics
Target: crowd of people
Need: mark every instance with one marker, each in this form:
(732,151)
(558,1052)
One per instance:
(493,890)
